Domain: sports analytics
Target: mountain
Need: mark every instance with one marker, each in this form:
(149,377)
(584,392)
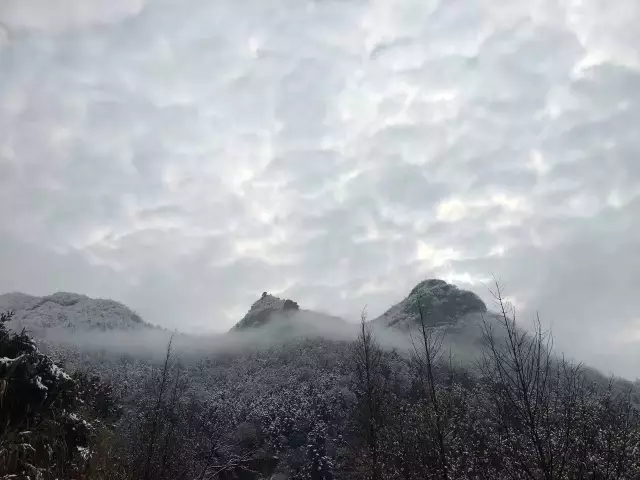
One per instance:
(286,316)
(69,311)
(265,309)
(283,394)
(442,304)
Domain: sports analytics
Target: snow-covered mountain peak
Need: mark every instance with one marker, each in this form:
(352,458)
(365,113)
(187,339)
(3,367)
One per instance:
(69,310)
(442,304)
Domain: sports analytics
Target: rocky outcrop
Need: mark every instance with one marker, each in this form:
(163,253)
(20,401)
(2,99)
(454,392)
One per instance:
(264,309)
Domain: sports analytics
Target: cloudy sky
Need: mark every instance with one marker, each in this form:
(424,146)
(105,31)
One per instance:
(182,156)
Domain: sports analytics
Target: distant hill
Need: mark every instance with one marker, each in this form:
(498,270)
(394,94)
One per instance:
(265,309)
(442,304)
(286,316)
(289,380)
(63,310)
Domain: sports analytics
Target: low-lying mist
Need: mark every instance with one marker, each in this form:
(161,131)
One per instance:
(461,341)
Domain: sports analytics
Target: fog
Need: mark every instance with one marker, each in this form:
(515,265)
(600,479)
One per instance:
(461,341)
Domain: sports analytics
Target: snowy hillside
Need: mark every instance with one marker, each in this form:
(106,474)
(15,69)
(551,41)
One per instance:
(442,303)
(70,311)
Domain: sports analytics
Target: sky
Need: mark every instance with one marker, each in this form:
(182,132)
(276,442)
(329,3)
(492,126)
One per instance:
(183,156)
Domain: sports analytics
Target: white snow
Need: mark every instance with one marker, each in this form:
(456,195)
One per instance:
(6,362)
(68,310)
(57,372)
(39,383)
(403,315)
(84,452)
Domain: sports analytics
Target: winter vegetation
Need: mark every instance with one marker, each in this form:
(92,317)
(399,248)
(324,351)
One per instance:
(438,387)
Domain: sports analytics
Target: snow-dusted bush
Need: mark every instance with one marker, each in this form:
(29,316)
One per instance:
(45,433)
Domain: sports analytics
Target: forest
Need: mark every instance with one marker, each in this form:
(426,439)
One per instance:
(319,409)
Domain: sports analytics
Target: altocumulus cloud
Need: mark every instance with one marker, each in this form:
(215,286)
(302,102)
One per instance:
(183,156)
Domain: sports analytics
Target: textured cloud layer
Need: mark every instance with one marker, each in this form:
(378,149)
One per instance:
(183,156)
(55,16)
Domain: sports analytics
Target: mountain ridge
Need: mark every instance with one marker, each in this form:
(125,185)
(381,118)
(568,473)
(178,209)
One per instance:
(66,310)
(443,304)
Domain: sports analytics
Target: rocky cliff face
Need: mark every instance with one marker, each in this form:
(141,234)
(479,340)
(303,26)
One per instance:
(285,319)
(264,309)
